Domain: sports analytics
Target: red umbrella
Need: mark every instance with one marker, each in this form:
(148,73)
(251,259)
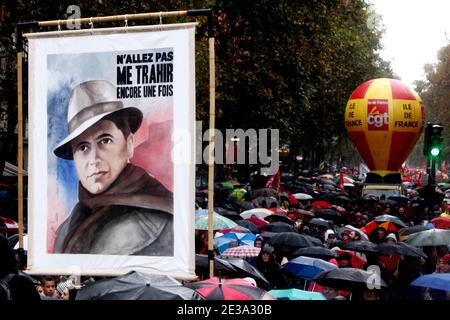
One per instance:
(257,221)
(441,222)
(372,225)
(320,204)
(8,225)
(230,289)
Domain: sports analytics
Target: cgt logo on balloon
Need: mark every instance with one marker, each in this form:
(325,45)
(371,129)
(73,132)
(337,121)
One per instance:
(377,114)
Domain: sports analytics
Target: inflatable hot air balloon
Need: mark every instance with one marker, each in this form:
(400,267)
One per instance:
(384,119)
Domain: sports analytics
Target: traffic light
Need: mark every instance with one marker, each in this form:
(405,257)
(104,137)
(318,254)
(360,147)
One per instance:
(435,140)
(432,146)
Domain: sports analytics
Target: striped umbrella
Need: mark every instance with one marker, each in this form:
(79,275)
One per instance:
(242,252)
(231,289)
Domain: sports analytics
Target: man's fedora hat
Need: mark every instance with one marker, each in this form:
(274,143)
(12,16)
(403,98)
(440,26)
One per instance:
(89,102)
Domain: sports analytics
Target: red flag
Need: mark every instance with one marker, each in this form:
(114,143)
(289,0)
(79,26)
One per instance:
(341,182)
(274,181)
(292,200)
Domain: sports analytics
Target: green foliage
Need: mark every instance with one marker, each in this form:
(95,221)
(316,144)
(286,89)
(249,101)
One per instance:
(283,64)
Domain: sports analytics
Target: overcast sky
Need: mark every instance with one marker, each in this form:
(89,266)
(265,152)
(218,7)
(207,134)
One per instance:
(414,32)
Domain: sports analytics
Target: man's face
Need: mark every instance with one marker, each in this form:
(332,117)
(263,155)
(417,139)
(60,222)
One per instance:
(444,267)
(100,154)
(49,288)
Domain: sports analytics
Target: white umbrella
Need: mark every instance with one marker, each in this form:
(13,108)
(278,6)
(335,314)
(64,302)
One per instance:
(260,213)
(302,196)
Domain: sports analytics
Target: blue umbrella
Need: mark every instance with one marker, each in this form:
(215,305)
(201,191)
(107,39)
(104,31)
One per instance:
(224,242)
(296,294)
(307,268)
(439,281)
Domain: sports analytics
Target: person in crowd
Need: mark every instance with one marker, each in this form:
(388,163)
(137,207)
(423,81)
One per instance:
(266,263)
(14,287)
(48,285)
(258,242)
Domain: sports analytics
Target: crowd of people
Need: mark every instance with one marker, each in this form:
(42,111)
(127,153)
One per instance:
(343,222)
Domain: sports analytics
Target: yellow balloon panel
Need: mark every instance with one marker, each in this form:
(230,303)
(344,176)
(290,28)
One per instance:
(384,119)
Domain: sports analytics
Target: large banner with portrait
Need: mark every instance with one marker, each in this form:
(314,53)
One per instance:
(111,151)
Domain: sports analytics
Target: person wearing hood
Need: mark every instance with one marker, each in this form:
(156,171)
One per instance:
(330,239)
(266,263)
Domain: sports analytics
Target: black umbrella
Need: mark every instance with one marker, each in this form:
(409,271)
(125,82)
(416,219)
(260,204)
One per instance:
(230,214)
(399,249)
(291,239)
(349,279)
(361,246)
(319,222)
(249,225)
(388,218)
(329,214)
(137,286)
(222,267)
(245,269)
(277,227)
(316,252)
(314,241)
(276,217)
(343,198)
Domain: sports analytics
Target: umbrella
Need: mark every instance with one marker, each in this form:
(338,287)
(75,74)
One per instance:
(388,218)
(237,229)
(278,211)
(248,225)
(296,294)
(279,218)
(257,222)
(220,222)
(231,289)
(220,266)
(260,213)
(224,242)
(319,222)
(352,228)
(373,225)
(292,239)
(278,227)
(441,222)
(363,246)
(316,252)
(338,208)
(326,176)
(320,204)
(8,225)
(314,241)
(343,198)
(137,286)
(329,214)
(348,279)
(242,252)
(302,196)
(230,214)
(245,269)
(432,237)
(399,249)
(305,212)
(440,281)
(403,233)
(307,268)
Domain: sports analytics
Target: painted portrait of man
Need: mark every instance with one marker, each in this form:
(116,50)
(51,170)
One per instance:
(121,209)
